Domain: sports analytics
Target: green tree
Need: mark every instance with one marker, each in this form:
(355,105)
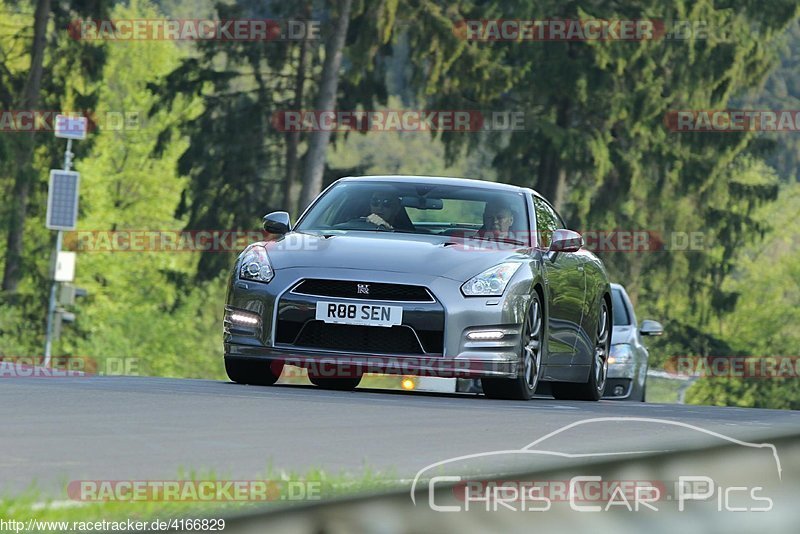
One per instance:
(64,82)
(234,160)
(598,147)
(54,60)
(781,91)
(139,300)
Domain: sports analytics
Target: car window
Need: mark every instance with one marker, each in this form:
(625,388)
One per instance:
(621,315)
(454,211)
(547,221)
(407,207)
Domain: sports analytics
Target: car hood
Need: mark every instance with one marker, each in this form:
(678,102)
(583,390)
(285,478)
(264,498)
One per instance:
(623,334)
(391,252)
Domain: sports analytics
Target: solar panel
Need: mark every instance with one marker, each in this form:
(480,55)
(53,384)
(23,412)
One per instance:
(62,200)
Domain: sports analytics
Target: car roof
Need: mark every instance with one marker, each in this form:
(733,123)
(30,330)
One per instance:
(618,287)
(441,180)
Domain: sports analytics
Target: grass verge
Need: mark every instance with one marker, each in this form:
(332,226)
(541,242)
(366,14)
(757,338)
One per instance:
(194,496)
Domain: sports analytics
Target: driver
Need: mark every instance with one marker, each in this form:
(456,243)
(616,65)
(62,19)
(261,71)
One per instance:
(387,212)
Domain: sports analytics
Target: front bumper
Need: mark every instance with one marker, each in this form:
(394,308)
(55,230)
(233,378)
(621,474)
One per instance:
(440,326)
(622,370)
(335,364)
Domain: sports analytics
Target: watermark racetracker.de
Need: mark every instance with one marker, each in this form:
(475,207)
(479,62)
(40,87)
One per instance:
(193,30)
(585,30)
(216,240)
(43,120)
(67,366)
(194,490)
(398,120)
(747,367)
(733,120)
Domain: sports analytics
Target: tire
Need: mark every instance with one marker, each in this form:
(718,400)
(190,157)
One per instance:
(592,389)
(531,348)
(338,383)
(253,372)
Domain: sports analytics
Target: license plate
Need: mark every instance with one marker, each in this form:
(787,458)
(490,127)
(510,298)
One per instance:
(360,314)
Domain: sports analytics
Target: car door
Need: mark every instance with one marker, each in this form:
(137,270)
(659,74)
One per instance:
(566,283)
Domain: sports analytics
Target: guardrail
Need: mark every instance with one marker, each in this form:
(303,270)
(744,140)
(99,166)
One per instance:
(681,382)
(733,469)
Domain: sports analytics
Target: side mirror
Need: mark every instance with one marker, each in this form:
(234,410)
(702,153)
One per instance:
(277,222)
(651,328)
(565,241)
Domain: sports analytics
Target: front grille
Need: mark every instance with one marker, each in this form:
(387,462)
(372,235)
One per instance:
(356,338)
(287,331)
(432,340)
(375,290)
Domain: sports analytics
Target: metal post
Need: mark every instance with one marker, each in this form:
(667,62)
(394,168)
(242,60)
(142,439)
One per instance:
(68,156)
(51,306)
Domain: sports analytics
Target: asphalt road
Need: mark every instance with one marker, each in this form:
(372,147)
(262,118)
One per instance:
(125,428)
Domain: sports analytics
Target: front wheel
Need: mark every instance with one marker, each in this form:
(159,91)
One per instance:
(339,383)
(593,388)
(253,372)
(524,385)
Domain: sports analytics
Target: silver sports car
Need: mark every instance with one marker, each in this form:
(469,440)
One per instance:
(422,276)
(628,359)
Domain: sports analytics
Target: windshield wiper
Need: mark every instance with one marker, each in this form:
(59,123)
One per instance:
(504,240)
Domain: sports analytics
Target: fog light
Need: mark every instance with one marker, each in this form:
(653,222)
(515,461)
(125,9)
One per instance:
(619,391)
(408,383)
(485,335)
(244,318)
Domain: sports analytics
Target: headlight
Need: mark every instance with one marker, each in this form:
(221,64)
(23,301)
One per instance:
(491,282)
(621,353)
(255,265)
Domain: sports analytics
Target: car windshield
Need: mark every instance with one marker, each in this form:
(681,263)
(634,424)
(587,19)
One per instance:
(431,209)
